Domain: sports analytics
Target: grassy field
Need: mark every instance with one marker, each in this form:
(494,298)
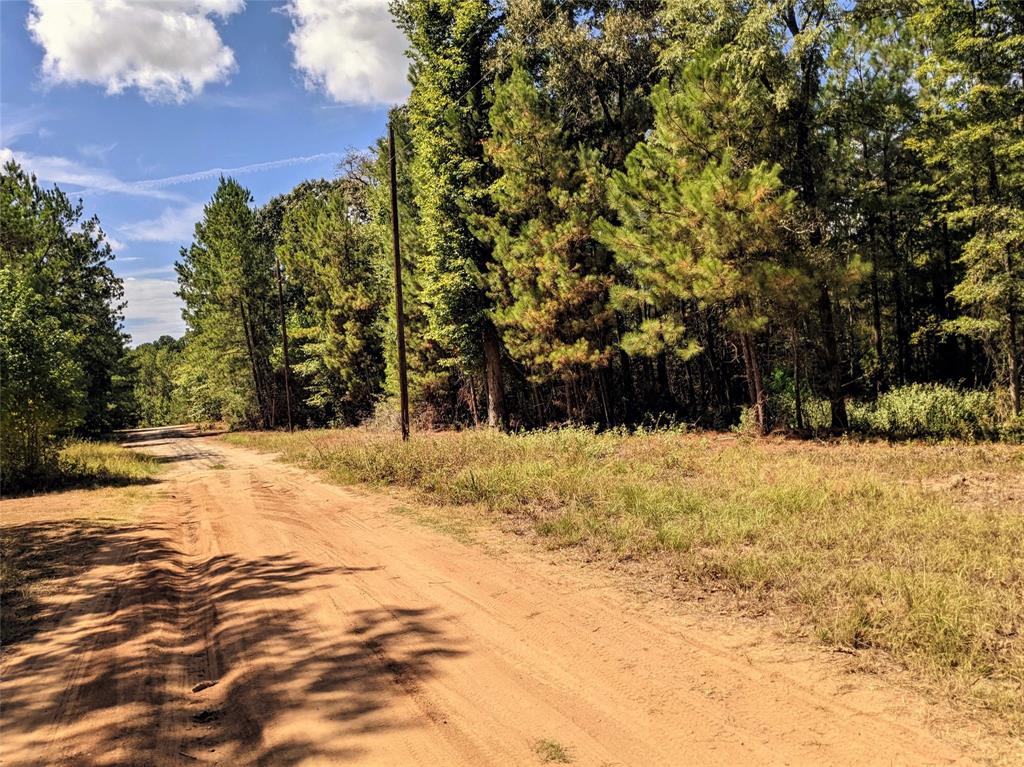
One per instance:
(914,549)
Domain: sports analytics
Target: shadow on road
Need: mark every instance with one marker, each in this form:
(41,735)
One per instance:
(115,663)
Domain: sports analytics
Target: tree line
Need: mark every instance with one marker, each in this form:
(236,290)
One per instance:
(64,365)
(615,211)
(637,211)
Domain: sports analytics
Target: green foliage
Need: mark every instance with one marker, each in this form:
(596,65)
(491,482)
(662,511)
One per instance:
(702,224)
(158,400)
(551,277)
(62,351)
(43,388)
(972,138)
(449,48)
(928,411)
(699,223)
(325,247)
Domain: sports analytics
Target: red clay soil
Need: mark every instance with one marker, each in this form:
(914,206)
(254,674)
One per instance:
(257,615)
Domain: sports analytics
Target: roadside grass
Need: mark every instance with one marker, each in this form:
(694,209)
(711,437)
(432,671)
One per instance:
(84,463)
(913,549)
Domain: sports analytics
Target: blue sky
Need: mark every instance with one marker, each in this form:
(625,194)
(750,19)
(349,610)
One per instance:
(136,107)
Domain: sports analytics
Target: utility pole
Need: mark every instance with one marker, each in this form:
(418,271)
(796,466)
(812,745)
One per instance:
(284,343)
(403,383)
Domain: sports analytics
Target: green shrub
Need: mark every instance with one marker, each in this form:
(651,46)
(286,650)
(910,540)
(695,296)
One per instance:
(928,411)
(816,412)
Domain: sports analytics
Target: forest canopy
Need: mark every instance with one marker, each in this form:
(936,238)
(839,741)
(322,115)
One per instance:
(805,216)
(694,210)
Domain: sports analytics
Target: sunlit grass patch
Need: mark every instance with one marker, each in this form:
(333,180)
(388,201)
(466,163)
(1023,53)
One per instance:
(84,463)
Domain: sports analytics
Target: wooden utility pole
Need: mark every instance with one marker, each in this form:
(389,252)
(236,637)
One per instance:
(403,383)
(284,343)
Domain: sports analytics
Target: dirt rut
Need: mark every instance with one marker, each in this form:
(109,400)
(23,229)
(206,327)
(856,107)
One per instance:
(261,616)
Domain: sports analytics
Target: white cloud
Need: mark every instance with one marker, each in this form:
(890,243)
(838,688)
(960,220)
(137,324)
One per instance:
(152,309)
(349,48)
(64,171)
(168,49)
(172,225)
(97,151)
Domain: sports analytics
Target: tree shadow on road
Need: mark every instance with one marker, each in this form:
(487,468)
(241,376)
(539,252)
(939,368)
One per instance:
(33,555)
(147,656)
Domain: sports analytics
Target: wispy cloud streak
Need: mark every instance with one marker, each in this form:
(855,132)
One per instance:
(256,167)
(93,181)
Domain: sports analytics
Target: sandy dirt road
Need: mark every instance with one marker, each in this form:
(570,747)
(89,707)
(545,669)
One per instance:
(335,631)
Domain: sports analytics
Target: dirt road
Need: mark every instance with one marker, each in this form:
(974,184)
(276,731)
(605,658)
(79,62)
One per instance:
(260,616)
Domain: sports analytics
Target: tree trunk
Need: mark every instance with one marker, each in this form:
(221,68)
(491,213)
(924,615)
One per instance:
(902,341)
(252,364)
(666,402)
(833,370)
(495,385)
(876,309)
(810,65)
(626,367)
(472,403)
(1014,363)
(798,404)
(754,383)
(761,396)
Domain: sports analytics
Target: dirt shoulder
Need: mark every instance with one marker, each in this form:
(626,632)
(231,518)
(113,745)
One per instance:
(254,614)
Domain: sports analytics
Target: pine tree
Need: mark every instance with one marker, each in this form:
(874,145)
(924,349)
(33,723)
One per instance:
(224,279)
(972,138)
(551,277)
(701,223)
(326,247)
(777,53)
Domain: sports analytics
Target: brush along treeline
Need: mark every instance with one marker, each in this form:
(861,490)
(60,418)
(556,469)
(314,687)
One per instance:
(614,212)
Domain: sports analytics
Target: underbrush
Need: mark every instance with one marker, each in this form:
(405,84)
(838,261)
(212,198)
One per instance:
(914,549)
(929,411)
(915,411)
(83,463)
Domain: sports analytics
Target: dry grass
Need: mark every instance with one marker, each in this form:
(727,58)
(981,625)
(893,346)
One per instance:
(103,463)
(551,752)
(85,463)
(914,549)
